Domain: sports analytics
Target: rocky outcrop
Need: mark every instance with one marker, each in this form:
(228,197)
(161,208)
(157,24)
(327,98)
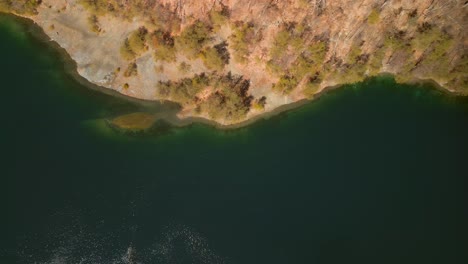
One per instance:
(231,60)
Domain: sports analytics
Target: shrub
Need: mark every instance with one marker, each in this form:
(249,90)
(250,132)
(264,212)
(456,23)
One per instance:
(354,54)
(317,51)
(351,75)
(260,103)
(132,70)
(126,51)
(183,91)
(289,42)
(135,44)
(458,76)
(163,43)
(376,61)
(212,59)
(286,84)
(242,37)
(219,18)
(441,44)
(184,67)
(97,7)
(164,89)
(309,61)
(374,17)
(153,11)
(354,69)
(280,44)
(291,35)
(312,85)
(229,100)
(397,41)
(28,7)
(93,23)
(137,40)
(164,53)
(193,38)
(223,52)
(217,57)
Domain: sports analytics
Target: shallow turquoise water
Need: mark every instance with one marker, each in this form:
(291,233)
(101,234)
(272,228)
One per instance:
(370,173)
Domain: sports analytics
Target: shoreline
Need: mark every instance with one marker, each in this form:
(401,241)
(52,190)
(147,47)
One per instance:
(71,70)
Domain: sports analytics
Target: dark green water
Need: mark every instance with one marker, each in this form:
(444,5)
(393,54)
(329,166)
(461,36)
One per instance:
(375,173)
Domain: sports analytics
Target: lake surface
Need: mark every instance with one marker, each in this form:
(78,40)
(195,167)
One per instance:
(369,173)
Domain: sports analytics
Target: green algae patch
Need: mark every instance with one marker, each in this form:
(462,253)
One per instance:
(134,122)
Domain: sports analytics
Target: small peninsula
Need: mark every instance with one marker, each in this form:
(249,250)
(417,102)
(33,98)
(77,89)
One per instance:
(229,61)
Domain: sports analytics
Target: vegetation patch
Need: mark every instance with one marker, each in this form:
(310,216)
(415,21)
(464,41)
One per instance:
(219,18)
(286,84)
(459,75)
(26,7)
(260,103)
(126,51)
(137,40)
(184,67)
(215,58)
(230,101)
(135,44)
(291,36)
(192,40)
(93,23)
(185,90)
(132,70)
(153,11)
(134,121)
(227,95)
(376,61)
(242,38)
(374,17)
(310,61)
(312,85)
(164,45)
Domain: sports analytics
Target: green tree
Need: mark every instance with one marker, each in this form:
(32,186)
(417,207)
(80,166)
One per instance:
(192,40)
(241,39)
(137,40)
(163,44)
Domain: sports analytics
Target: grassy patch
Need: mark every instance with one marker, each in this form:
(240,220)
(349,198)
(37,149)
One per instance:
(374,17)
(134,121)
